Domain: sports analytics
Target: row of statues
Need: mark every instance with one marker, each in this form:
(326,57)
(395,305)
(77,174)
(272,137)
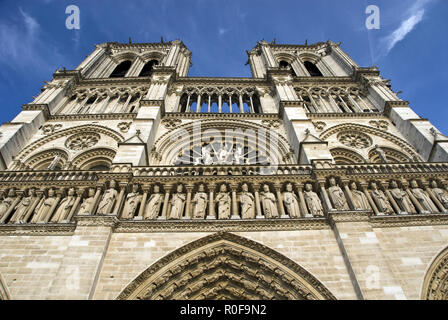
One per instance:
(34,207)
(413,200)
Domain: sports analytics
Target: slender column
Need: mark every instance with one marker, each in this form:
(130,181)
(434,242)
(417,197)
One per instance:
(32,207)
(354,103)
(81,106)
(235,214)
(324,194)
(211,203)
(219,104)
(187,214)
(198,107)
(324,103)
(391,199)
(187,107)
(104,105)
(366,106)
(369,198)
(167,188)
(125,106)
(53,206)
(230,103)
(120,199)
(241,104)
(411,196)
(303,208)
(257,201)
(334,103)
(348,195)
(75,206)
(142,203)
(346,107)
(252,110)
(12,207)
(313,102)
(96,199)
(209,103)
(281,208)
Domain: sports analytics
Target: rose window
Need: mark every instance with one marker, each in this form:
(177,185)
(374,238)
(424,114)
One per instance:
(355,140)
(82,141)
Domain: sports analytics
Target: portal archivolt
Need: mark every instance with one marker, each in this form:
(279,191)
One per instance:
(435,284)
(225,266)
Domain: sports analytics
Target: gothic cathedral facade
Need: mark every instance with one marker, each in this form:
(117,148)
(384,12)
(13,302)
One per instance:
(127,179)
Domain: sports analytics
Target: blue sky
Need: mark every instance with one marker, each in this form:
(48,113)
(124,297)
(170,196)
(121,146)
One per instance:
(410,48)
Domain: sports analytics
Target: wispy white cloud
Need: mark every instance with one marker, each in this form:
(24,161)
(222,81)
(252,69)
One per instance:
(222,31)
(413,17)
(22,45)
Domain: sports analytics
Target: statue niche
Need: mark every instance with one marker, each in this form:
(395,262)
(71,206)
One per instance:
(65,207)
(269,203)
(21,210)
(247,203)
(177,204)
(223,200)
(291,202)
(200,201)
(153,205)
(337,196)
(312,201)
(133,200)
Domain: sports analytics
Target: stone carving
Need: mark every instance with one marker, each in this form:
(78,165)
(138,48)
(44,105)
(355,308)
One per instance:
(380,124)
(55,162)
(337,196)
(319,125)
(356,140)
(223,200)
(87,205)
(313,202)
(381,154)
(422,197)
(24,205)
(271,123)
(153,206)
(82,141)
(291,202)
(440,194)
(401,198)
(133,199)
(171,123)
(247,203)
(108,200)
(65,207)
(124,126)
(359,199)
(7,202)
(44,207)
(381,200)
(269,203)
(200,201)
(177,203)
(50,128)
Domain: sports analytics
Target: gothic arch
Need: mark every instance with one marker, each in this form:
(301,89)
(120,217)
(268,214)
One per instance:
(225,266)
(352,127)
(97,129)
(435,283)
(45,157)
(392,155)
(345,156)
(4,292)
(94,157)
(168,146)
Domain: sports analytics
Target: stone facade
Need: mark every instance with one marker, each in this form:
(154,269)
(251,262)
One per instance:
(127,179)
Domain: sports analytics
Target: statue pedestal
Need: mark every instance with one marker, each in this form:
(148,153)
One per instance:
(309,215)
(259,217)
(235,217)
(138,218)
(285,216)
(161,218)
(211,218)
(186,218)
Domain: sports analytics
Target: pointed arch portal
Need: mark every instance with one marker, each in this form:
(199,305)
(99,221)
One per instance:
(224,266)
(435,284)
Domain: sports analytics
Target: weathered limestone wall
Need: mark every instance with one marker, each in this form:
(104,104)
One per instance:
(409,251)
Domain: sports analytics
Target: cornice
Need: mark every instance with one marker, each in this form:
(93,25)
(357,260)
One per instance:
(97,116)
(34,229)
(124,81)
(203,115)
(222,81)
(337,115)
(37,107)
(409,220)
(222,225)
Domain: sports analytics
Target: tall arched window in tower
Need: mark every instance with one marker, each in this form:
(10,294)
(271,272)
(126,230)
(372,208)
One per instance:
(148,68)
(285,65)
(312,69)
(121,69)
